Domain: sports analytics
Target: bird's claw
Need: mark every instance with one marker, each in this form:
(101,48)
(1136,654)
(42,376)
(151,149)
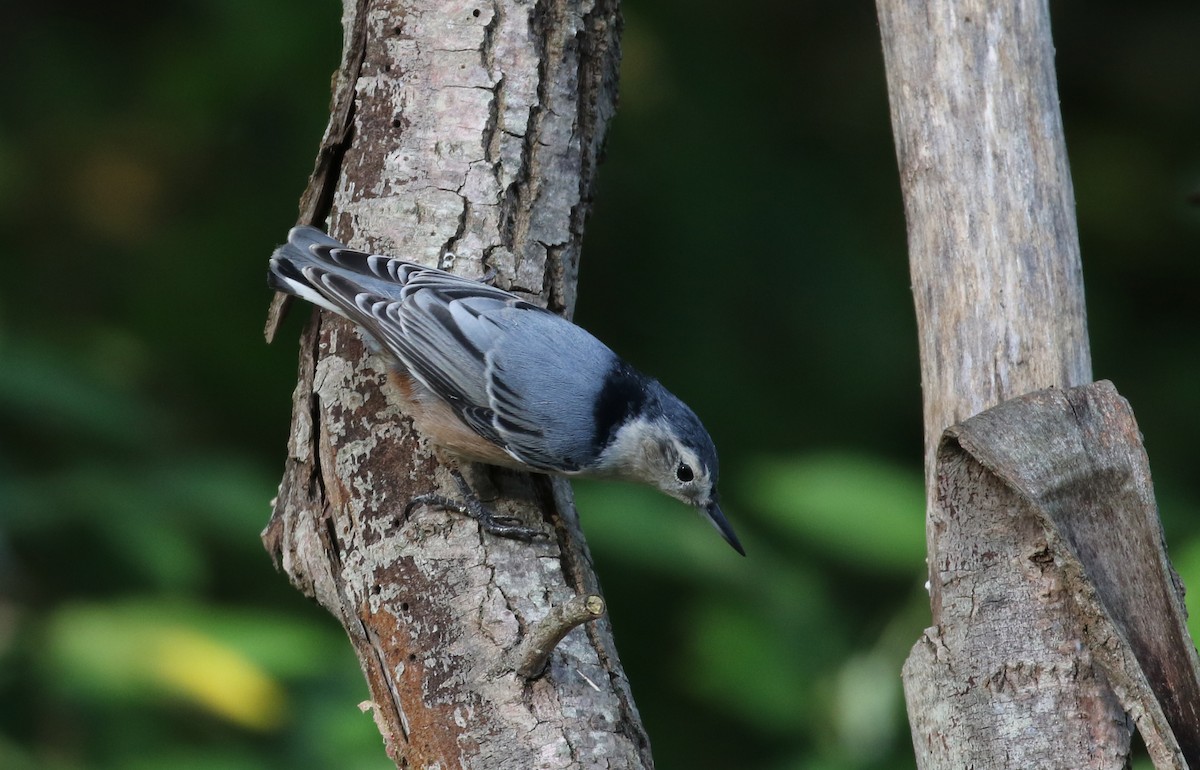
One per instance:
(510,527)
(491,522)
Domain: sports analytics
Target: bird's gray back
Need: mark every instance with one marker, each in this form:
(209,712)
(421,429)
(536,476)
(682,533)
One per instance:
(546,373)
(516,374)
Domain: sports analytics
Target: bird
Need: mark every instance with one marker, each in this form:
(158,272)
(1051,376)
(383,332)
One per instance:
(492,378)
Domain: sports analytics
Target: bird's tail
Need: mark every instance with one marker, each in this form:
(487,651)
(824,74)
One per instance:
(305,247)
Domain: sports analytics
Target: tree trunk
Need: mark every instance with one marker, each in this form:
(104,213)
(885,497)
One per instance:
(1015,671)
(464,135)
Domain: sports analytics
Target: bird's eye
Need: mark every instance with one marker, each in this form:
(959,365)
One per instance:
(684,473)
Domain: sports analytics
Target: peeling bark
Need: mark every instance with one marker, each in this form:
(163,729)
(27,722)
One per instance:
(1057,483)
(463,135)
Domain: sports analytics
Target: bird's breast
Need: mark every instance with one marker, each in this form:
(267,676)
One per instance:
(438,422)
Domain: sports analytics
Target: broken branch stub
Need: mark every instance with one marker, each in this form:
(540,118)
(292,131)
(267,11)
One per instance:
(533,654)
(1055,488)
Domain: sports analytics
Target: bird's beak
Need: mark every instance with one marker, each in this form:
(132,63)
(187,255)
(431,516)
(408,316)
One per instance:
(713,512)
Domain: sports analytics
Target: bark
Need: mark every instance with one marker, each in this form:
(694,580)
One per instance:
(1060,481)
(1013,671)
(465,135)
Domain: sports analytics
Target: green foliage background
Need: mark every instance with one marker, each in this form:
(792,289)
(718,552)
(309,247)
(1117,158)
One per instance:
(747,246)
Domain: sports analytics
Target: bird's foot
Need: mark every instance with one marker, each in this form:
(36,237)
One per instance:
(491,522)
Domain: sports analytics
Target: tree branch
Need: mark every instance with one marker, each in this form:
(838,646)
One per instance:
(1012,672)
(532,655)
(1073,460)
(464,135)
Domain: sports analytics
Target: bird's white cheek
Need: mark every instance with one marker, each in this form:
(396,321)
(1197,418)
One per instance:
(682,494)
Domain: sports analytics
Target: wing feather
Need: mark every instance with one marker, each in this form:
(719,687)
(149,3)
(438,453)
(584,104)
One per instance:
(442,328)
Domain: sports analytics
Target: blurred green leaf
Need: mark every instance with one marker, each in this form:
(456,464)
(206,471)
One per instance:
(225,662)
(864,706)
(13,757)
(655,533)
(46,387)
(177,759)
(862,509)
(739,662)
(1186,560)
(650,533)
(147,512)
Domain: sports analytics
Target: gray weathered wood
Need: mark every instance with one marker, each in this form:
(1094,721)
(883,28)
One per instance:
(992,242)
(1074,461)
(464,135)
(998,289)
(1055,609)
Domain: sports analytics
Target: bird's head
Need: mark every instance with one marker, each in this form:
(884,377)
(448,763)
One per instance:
(667,447)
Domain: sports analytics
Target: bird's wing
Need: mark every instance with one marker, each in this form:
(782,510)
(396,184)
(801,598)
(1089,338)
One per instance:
(450,341)
(444,329)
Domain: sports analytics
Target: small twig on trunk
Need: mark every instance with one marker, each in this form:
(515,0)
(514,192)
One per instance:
(533,653)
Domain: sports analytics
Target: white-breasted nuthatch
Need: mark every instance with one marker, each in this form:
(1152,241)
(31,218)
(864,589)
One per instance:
(494,379)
